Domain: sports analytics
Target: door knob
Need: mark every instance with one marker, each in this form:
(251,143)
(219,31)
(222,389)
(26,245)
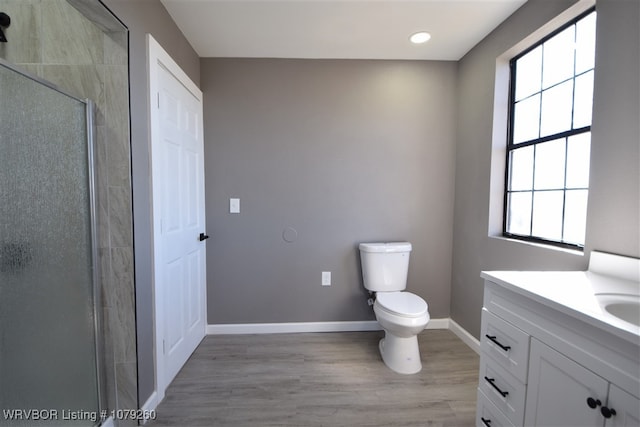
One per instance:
(203,237)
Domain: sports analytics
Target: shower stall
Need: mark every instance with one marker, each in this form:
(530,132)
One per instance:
(67,293)
(50,364)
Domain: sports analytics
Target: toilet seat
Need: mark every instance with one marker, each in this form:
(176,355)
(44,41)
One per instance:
(404,304)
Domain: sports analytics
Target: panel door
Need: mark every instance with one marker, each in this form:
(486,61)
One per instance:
(181,190)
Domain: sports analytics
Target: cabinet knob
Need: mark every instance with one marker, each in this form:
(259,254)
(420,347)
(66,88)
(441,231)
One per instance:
(607,412)
(593,403)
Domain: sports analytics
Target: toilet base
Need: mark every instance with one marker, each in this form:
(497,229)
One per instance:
(401,355)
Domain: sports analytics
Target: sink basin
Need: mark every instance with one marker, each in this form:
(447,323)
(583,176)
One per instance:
(629,312)
(624,307)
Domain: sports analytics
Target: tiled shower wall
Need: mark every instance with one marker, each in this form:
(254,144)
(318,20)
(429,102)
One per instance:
(52,40)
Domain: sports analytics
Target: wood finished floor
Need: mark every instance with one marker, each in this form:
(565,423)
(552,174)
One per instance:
(320,379)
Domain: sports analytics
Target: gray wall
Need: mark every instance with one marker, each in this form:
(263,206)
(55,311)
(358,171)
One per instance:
(613,217)
(341,151)
(142,17)
(614,197)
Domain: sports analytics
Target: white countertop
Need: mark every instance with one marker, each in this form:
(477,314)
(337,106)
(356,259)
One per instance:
(573,293)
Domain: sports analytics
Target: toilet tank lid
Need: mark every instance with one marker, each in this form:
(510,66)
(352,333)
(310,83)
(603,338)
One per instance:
(386,247)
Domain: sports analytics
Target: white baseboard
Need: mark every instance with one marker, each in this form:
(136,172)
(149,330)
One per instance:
(150,405)
(294,327)
(107,423)
(438,324)
(465,336)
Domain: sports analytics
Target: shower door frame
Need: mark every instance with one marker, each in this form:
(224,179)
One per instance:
(95,287)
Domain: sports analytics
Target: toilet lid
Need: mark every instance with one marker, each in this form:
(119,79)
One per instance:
(402,303)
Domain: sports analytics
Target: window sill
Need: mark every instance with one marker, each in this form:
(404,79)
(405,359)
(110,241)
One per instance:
(539,245)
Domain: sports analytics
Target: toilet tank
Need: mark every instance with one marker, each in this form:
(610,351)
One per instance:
(385,265)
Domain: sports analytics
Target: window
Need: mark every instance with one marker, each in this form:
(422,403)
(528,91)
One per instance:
(549,138)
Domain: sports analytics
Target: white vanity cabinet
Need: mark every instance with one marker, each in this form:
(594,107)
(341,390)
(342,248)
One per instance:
(542,364)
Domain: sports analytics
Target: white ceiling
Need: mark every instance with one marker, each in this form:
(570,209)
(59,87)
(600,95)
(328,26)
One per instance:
(356,29)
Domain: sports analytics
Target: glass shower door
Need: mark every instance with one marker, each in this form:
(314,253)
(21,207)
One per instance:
(48,354)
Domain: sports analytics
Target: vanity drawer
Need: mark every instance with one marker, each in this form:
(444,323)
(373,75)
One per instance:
(487,415)
(504,390)
(506,344)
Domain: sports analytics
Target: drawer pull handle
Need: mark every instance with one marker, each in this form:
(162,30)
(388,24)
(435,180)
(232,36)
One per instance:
(606,412)
(495,341)
(491,381)
(486,422)
(593,403)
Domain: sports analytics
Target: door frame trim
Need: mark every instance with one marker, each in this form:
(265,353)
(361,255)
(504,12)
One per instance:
(157,57)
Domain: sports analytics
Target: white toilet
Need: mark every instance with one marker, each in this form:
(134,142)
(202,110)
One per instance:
(402,315)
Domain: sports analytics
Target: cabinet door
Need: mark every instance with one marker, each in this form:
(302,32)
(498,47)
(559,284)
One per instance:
(626,407)
(558,391)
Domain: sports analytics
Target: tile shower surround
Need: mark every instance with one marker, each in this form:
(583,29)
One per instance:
(52,40)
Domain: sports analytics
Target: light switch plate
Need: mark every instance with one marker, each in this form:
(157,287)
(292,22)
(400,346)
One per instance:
(234,205)
(326,278)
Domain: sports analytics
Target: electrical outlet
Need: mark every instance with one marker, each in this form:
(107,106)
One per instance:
(326,278)
(234,205)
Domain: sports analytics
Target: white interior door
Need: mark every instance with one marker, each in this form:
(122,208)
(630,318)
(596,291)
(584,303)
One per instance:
(177,147)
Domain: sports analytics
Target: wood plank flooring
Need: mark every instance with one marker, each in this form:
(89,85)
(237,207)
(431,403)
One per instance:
(320,379)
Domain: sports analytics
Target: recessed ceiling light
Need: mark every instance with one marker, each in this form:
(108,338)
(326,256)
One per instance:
(420,37)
